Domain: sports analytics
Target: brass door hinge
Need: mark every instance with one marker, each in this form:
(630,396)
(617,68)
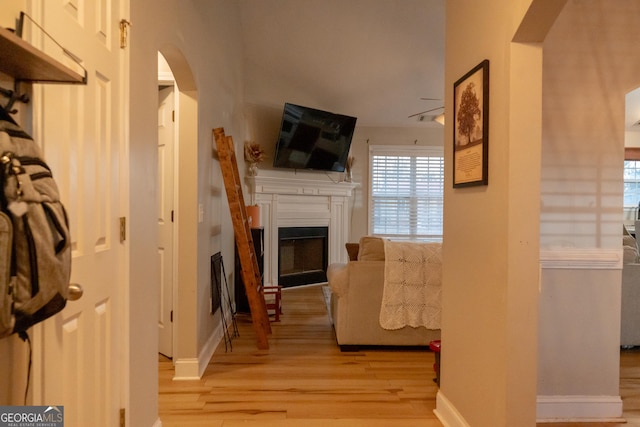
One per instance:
(122,417)
(123,229)
(124,32)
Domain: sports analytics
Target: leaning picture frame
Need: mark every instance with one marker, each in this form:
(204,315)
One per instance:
(471,127)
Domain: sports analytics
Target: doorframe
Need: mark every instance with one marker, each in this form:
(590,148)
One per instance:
(167,78)
(185,238)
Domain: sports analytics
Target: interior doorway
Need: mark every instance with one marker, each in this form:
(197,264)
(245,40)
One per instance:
(182,318)
(631,203)
(167,113)
(629,334)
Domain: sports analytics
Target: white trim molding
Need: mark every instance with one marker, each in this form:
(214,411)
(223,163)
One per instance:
(447,413)
(186,369)
(295,202)
(300,186)
(579,409)
(210,346)
(580,258)
(193,369)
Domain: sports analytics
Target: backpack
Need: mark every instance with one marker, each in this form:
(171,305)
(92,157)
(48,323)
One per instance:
(35,249)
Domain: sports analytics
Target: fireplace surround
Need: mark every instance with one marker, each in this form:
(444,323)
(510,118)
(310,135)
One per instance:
(293,202)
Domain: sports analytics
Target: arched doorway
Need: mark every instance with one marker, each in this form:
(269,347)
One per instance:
(167,113)
(184,231)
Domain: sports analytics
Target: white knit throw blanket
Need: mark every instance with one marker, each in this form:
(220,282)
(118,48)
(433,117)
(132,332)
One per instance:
(412,285)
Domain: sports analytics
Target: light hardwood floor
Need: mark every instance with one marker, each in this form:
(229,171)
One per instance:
(304,380)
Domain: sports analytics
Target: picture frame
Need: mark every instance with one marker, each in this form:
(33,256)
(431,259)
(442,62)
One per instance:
(471,127)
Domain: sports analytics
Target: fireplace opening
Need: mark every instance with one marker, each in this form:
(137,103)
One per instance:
(302,255)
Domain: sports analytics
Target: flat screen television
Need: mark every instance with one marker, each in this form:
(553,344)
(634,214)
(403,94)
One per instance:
(313,139)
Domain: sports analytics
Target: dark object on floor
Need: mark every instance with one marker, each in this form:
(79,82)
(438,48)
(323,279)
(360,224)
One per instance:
(435,347)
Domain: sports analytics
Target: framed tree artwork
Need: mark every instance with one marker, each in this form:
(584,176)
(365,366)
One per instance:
(471,127)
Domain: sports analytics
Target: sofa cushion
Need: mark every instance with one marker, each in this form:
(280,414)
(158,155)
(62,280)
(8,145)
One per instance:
(630,249)
(630,255)
(628,240)
(371,249)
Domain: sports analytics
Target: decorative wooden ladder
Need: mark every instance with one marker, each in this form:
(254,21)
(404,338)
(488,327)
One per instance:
(244,241)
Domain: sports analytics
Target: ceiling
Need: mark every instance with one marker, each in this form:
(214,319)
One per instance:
(373,59)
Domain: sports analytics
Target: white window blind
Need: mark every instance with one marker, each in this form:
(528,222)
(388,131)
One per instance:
(406,193)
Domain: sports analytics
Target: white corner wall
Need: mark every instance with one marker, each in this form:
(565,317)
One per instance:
(207,34)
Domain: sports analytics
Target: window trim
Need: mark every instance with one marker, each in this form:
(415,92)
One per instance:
(396,150)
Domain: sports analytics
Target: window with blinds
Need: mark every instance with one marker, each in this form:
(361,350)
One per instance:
(631,183)
(406,192)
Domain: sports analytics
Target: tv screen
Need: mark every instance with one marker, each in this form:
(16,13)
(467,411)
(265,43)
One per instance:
(313,139)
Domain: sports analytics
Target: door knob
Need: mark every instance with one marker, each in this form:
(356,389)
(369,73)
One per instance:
(75,291)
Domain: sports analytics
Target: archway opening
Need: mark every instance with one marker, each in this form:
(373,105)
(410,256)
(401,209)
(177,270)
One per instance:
(182,164)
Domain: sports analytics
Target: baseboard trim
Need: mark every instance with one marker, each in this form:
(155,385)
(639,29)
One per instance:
(209,348)
(186,369)
(579,409)
(549,409)
(447,413)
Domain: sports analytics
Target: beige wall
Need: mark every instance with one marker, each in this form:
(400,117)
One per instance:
(585,82)
(10,12)
(561,124)
(490,248)
(206,34)
(590,64)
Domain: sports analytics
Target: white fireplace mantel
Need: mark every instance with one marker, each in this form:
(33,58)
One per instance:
(295,202)
(301,186)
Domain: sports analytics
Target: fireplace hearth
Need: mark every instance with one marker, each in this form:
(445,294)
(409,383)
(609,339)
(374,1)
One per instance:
(302,255)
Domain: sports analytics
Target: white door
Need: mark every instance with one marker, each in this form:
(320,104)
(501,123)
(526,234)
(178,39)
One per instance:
(80,354)
(165,216)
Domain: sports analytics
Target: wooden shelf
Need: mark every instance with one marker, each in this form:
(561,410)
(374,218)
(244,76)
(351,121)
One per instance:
(24,62)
